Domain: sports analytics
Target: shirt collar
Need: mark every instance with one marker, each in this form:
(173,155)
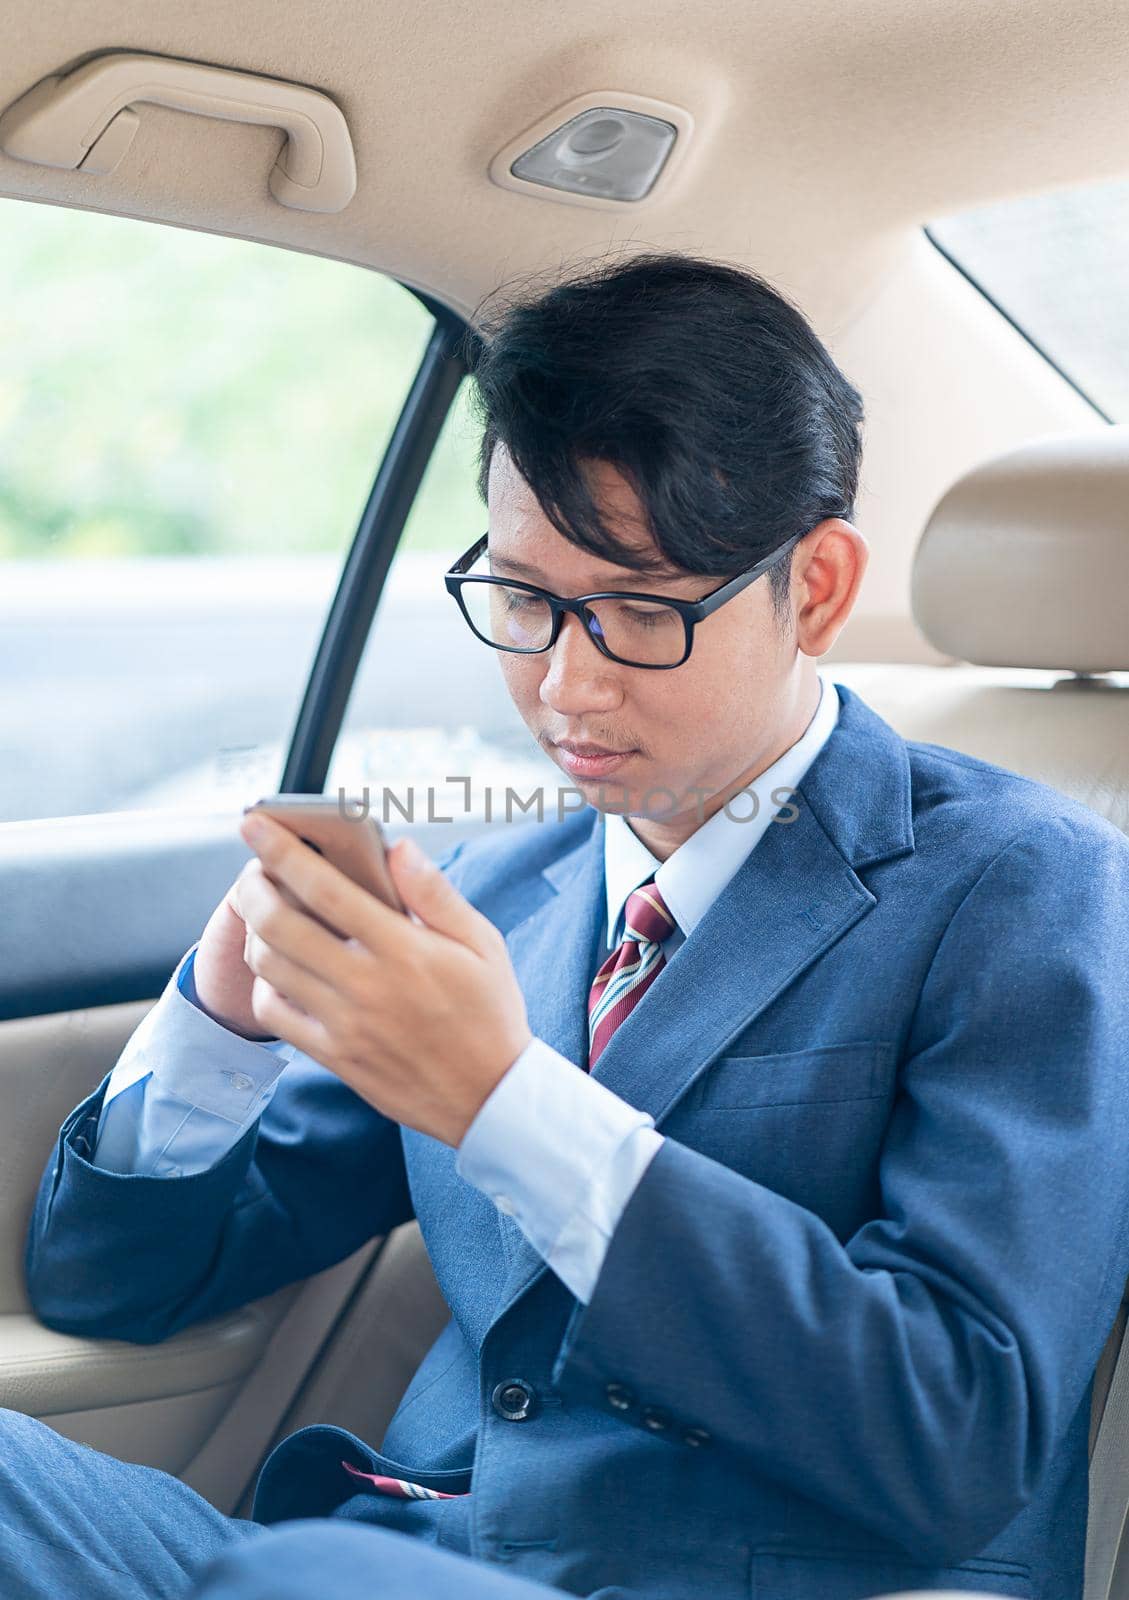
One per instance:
(692,877)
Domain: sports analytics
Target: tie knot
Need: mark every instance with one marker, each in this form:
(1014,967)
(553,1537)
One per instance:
(646,916)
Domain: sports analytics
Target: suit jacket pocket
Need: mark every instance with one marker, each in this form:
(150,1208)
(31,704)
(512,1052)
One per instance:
(860,1070)
(780,1575)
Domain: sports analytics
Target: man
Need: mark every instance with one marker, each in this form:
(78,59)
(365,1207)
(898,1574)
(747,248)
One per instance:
(764,1118)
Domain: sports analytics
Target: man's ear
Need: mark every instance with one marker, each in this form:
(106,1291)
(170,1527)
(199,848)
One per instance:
(827,578)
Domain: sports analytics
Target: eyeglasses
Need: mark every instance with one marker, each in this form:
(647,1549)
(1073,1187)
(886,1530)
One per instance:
(637,630)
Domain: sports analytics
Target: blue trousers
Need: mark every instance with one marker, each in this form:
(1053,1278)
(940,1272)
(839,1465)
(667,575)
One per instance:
(77,1523)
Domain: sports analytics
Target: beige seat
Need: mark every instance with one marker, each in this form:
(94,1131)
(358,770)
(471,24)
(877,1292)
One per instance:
(1022,575)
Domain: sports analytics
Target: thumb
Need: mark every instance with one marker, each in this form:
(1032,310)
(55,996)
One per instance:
(435,900)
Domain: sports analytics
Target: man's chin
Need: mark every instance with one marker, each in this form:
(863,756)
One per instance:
(613,799)
(652,804)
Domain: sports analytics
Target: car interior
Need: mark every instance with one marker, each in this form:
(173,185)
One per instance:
(942,188)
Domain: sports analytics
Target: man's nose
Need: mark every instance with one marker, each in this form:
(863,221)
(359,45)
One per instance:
(579,677)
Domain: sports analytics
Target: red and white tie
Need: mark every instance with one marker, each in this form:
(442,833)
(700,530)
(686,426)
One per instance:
(630,970)
(399,1488)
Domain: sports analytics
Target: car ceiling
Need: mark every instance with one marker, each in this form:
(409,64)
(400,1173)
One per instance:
(822,131)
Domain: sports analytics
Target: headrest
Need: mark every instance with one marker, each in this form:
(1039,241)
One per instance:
(1025,561)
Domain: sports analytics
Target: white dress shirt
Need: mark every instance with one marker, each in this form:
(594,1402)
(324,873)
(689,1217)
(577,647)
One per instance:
(553,1148)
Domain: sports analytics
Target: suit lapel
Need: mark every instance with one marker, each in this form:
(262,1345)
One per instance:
(790,899)
(794,895)
(551,949)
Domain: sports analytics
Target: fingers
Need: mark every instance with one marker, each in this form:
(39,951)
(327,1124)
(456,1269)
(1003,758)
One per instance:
(269,910)
(435,900)
(280,1017)
(319,886)
(290,981)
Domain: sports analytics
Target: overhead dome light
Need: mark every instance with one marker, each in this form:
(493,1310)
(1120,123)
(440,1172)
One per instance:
(605,148)
(607,152)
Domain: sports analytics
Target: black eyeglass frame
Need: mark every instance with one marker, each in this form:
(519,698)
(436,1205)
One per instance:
(691,611)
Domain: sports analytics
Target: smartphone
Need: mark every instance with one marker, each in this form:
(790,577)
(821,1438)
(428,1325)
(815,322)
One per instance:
(355,845)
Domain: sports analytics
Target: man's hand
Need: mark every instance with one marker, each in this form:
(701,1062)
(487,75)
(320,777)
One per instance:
(422,1021)
(221,977)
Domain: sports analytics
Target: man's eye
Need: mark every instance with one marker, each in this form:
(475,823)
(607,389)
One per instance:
(645,617)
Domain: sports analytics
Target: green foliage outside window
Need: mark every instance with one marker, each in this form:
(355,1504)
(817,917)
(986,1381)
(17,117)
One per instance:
(169,392)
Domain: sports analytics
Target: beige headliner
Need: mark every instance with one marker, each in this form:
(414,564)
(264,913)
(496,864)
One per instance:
(825,134)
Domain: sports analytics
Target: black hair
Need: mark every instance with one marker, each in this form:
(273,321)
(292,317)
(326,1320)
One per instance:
(705,386)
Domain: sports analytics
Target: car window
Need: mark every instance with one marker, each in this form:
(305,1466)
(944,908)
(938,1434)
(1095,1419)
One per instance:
(1055,264)
(189,428)
(430,731)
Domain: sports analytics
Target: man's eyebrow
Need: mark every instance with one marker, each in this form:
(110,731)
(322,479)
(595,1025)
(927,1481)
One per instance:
(522,569)
(518,568)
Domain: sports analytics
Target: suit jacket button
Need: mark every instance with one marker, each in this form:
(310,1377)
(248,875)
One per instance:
(654,1419)
(695,1437)
(514,1400)
(619,1398)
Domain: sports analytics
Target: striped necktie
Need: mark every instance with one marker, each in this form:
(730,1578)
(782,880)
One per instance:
(630,970)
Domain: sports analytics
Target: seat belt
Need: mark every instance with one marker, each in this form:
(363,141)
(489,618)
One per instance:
(1107,1562)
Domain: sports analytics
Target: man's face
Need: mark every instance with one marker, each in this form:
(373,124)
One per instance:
(688,738)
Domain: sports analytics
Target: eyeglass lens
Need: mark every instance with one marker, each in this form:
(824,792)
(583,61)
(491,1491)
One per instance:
(513,619)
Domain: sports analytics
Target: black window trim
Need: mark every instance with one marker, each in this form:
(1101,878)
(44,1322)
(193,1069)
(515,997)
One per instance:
(365,571)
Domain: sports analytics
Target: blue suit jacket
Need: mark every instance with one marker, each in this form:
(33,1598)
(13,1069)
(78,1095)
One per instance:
(844,1338)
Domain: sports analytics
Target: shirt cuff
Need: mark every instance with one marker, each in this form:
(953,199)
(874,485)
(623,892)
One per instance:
(191,1055)
(560,1154)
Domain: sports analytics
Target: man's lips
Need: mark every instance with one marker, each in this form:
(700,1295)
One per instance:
(590,761)
(577,748)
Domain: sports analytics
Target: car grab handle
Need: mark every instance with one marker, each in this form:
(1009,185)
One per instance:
(85,120)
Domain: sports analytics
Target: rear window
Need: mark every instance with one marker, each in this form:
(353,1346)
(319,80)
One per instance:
(1057,265)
